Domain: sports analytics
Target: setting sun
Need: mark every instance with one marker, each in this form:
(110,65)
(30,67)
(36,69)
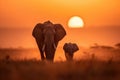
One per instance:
(75,22)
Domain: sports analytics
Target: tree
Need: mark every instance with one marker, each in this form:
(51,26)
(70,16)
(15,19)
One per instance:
(117,45)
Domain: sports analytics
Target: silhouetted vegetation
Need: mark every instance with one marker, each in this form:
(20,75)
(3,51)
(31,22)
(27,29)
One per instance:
(79,70)
(102,46)
(117,45)
(93,67)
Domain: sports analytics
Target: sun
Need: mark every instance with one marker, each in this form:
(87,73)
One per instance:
(75,22)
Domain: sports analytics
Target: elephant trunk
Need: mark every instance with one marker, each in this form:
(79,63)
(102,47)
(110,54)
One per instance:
(49,42)
(43,48)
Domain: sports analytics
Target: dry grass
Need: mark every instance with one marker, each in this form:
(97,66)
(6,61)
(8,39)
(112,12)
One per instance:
(80,70)
(14,65)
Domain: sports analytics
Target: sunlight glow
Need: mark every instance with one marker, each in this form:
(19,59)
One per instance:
(75,22)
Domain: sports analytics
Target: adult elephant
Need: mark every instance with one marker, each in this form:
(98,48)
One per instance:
(47,36)
(69,49)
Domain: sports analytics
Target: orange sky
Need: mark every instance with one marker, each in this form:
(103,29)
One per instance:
(28,12)
(25,14)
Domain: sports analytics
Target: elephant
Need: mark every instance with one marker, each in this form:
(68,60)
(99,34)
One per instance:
(69,49)
(47,36)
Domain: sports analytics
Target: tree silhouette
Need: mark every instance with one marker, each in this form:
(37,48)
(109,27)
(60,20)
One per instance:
(117,45)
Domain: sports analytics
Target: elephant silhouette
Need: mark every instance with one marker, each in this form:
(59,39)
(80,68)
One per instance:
(69,49)
(47,36)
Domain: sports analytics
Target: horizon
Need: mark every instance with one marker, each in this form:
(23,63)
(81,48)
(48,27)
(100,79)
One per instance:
(26,40)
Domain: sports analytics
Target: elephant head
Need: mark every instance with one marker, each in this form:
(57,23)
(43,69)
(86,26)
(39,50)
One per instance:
(47,36)
(69,49)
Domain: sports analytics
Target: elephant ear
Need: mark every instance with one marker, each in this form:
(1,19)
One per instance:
(37,31)
(75,47)
(60,32)
(66,47)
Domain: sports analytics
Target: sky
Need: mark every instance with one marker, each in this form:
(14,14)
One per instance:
(101,18)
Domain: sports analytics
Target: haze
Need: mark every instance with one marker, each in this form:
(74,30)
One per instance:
(18,18)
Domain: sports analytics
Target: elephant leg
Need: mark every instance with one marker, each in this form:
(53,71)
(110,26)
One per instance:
(42,55)
(50,54)
(69,56)
(40,49)
(50,57)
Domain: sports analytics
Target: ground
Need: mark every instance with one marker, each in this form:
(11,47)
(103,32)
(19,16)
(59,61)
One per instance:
(96,63)
(75,70)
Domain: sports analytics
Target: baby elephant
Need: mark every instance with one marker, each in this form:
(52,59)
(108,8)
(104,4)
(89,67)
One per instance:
(69,49)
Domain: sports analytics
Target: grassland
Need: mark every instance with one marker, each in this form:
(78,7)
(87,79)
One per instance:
(75,70)
(88,64)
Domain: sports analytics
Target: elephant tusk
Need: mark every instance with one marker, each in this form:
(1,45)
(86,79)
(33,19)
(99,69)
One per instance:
(54,46)
(43,48)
